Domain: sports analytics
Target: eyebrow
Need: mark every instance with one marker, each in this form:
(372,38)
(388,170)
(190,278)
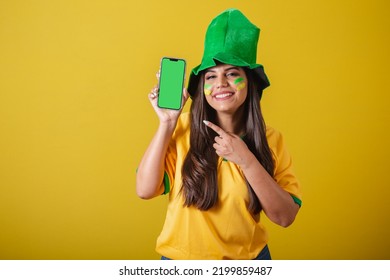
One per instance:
(227,69)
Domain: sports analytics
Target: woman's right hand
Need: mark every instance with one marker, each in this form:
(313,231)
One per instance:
(167,116)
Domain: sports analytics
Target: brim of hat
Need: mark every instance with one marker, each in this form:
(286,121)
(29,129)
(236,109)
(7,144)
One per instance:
(258,70)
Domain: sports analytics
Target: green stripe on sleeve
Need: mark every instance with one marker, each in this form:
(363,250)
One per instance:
(297,200)
(167,187)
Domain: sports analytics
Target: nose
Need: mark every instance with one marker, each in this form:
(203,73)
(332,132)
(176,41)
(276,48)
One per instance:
(221,81)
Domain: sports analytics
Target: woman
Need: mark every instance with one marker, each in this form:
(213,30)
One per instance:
(219,163)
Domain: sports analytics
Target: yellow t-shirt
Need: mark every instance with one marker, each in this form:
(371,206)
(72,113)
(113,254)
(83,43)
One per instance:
(228,230)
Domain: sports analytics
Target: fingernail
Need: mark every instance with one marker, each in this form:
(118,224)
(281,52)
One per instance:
(206,122)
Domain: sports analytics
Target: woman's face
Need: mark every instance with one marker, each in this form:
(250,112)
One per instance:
(225,87)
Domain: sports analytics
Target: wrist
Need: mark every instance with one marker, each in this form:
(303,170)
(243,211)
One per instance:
(248,161)
(168,125)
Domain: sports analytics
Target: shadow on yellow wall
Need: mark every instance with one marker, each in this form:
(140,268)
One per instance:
(75,120)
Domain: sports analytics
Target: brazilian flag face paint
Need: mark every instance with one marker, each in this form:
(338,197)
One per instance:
(207,89)
(240,83)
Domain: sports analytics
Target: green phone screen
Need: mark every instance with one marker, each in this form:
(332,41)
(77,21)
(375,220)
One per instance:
(171,83)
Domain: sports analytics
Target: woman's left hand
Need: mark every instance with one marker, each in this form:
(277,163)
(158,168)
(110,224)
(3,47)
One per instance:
(229,146)
(275,201)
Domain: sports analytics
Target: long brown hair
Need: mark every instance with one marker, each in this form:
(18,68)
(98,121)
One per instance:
(199,171)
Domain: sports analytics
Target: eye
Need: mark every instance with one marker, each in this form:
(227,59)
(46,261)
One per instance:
(233,74)
(210,77)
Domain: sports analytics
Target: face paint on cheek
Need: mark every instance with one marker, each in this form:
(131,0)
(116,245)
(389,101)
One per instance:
(241,86)
(240,83)
(238,80)
(207,89)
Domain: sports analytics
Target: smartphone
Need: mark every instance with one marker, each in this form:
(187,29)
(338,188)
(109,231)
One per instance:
(172,71)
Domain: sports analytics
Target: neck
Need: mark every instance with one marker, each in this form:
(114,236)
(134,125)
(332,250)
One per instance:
(232,123)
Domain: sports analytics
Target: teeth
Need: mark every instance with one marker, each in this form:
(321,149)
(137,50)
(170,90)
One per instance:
(223,95)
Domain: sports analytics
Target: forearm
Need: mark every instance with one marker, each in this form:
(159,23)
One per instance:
(150,172)
(277,204)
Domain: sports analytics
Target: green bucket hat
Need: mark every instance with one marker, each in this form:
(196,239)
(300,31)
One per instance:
(230,39)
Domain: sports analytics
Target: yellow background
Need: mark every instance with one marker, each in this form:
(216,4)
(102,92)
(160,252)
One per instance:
(75,120)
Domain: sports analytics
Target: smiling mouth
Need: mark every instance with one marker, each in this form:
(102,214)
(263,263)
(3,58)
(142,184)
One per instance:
(223,95)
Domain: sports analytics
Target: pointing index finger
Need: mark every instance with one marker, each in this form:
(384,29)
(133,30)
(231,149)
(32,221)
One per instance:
(216,128)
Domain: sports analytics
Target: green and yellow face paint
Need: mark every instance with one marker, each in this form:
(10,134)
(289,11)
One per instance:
(207,89)
(240,83)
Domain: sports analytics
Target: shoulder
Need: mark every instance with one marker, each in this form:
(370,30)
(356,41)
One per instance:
(274,137)
(277,144)
(184,119)
(182,128)
(183,123)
